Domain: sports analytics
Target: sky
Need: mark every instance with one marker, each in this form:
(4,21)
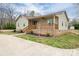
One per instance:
(47,8)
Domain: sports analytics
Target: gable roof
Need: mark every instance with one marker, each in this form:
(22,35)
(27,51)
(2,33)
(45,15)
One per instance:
(20,16)
(37,17)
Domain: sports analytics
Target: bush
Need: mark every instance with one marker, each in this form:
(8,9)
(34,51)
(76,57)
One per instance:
(9,26)
(31,32)
(20,31)
(47,34)
(14,30)
(76,26)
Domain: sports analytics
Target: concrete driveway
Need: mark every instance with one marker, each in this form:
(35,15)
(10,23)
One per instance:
(10,45)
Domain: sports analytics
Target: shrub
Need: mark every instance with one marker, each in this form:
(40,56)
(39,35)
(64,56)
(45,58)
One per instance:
(14,30)
(21,31)
(47,34)
(31,32)
(76,26)
(9,26)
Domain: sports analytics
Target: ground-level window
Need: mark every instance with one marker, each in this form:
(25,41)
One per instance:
(50,21)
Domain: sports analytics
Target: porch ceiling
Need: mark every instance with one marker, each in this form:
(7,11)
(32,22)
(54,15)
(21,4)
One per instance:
(40,17)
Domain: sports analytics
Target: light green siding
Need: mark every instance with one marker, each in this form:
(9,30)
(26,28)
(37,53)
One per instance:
(21,23)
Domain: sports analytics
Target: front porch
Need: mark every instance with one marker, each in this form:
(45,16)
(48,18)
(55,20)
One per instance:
(44,25)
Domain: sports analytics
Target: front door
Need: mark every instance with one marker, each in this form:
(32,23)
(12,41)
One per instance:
(34,23)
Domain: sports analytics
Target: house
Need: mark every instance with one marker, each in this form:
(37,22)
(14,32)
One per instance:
(47,24)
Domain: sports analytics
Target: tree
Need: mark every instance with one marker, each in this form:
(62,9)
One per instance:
(6,14)
(32,13)
(75,23)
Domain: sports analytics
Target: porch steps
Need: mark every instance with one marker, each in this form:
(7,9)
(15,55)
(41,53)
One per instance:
(27,29)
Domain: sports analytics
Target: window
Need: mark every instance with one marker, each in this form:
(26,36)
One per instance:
(62,23)
(50,21)
(56,19)
(23,24)
(66,24)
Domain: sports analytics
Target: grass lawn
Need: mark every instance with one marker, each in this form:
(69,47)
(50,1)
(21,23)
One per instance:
(66,41)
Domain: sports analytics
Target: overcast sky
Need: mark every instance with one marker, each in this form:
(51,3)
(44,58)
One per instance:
(46,8)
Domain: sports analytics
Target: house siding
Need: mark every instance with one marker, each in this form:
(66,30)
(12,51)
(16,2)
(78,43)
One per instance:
(63,22)
(21,23)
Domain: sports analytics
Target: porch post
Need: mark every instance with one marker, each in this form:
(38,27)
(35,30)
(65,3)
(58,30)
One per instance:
(39,30)
(54,26)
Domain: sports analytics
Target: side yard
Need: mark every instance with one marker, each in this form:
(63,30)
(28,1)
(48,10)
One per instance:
(66,41)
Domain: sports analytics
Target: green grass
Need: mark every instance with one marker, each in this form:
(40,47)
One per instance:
(66,41)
